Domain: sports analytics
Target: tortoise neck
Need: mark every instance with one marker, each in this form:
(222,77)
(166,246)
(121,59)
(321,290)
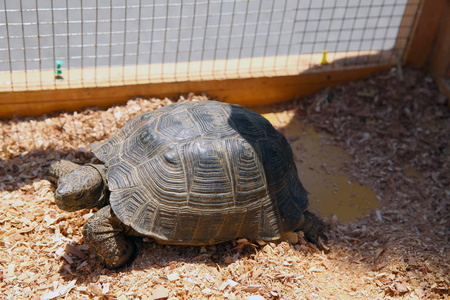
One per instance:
(104,197)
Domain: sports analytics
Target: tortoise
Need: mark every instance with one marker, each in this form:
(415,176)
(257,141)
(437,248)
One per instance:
(190,173)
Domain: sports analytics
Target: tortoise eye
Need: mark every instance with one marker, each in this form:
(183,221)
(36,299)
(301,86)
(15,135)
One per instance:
(79,195)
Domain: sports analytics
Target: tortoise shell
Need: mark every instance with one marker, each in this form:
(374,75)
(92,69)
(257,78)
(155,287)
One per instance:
(202,173)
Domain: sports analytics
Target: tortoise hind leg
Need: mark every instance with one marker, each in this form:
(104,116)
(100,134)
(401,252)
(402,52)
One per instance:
(312,227)
(106,236)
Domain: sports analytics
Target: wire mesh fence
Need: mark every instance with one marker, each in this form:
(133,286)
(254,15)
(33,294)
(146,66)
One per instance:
(46,44)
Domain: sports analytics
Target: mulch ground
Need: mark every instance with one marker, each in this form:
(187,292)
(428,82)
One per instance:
(394,126)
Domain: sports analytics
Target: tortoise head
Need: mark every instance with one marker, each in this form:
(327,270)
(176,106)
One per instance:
(83,187)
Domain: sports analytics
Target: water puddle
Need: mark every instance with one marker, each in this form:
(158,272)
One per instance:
(331,192)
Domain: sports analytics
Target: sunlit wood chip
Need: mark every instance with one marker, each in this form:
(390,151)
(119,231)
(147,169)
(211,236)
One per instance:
(49,220)
(314,269)
(105,289)
(26,263)
(160,293)
(256,273)
(255,297)
(60,252)
(401,287)
(251,288)
(11,232)
(173,276)
(268,249)
(66,289)
(50,295)
(10,273)
(22,276)
(283,275)
(122,297)
(232,283)
(223,286)
(29,228)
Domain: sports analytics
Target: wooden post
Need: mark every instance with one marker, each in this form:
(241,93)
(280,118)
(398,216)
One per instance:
(427,22)
(440,54)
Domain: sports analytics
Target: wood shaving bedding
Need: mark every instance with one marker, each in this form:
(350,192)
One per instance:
(397,133)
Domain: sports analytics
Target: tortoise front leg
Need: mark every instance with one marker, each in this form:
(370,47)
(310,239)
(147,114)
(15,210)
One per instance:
(106,236)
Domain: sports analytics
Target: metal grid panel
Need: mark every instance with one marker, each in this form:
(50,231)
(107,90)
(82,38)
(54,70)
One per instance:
(133,41)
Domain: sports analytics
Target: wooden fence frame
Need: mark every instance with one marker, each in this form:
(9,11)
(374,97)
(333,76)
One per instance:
(428,48)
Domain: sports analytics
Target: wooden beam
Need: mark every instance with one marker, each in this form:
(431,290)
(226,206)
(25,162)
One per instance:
(247,91)
(424,33)
(107,76)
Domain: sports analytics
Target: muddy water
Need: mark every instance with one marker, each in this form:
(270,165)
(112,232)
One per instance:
(331,192)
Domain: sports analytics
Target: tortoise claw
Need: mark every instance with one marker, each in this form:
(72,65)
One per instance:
(321,244)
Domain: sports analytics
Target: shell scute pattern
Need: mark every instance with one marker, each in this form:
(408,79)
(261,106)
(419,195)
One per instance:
(202,172)
(251,224)
(209,225)
(247,128)
(121,175)
(129,203)
(185,230)
(107,150)
(207,175)
(144,144)
(274,164)
(164,181)
(164,224)
(212,121)
(250,182)
(178,126)
(144,218)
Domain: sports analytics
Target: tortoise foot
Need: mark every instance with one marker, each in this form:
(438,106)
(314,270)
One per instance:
(105,236)
(313,229)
